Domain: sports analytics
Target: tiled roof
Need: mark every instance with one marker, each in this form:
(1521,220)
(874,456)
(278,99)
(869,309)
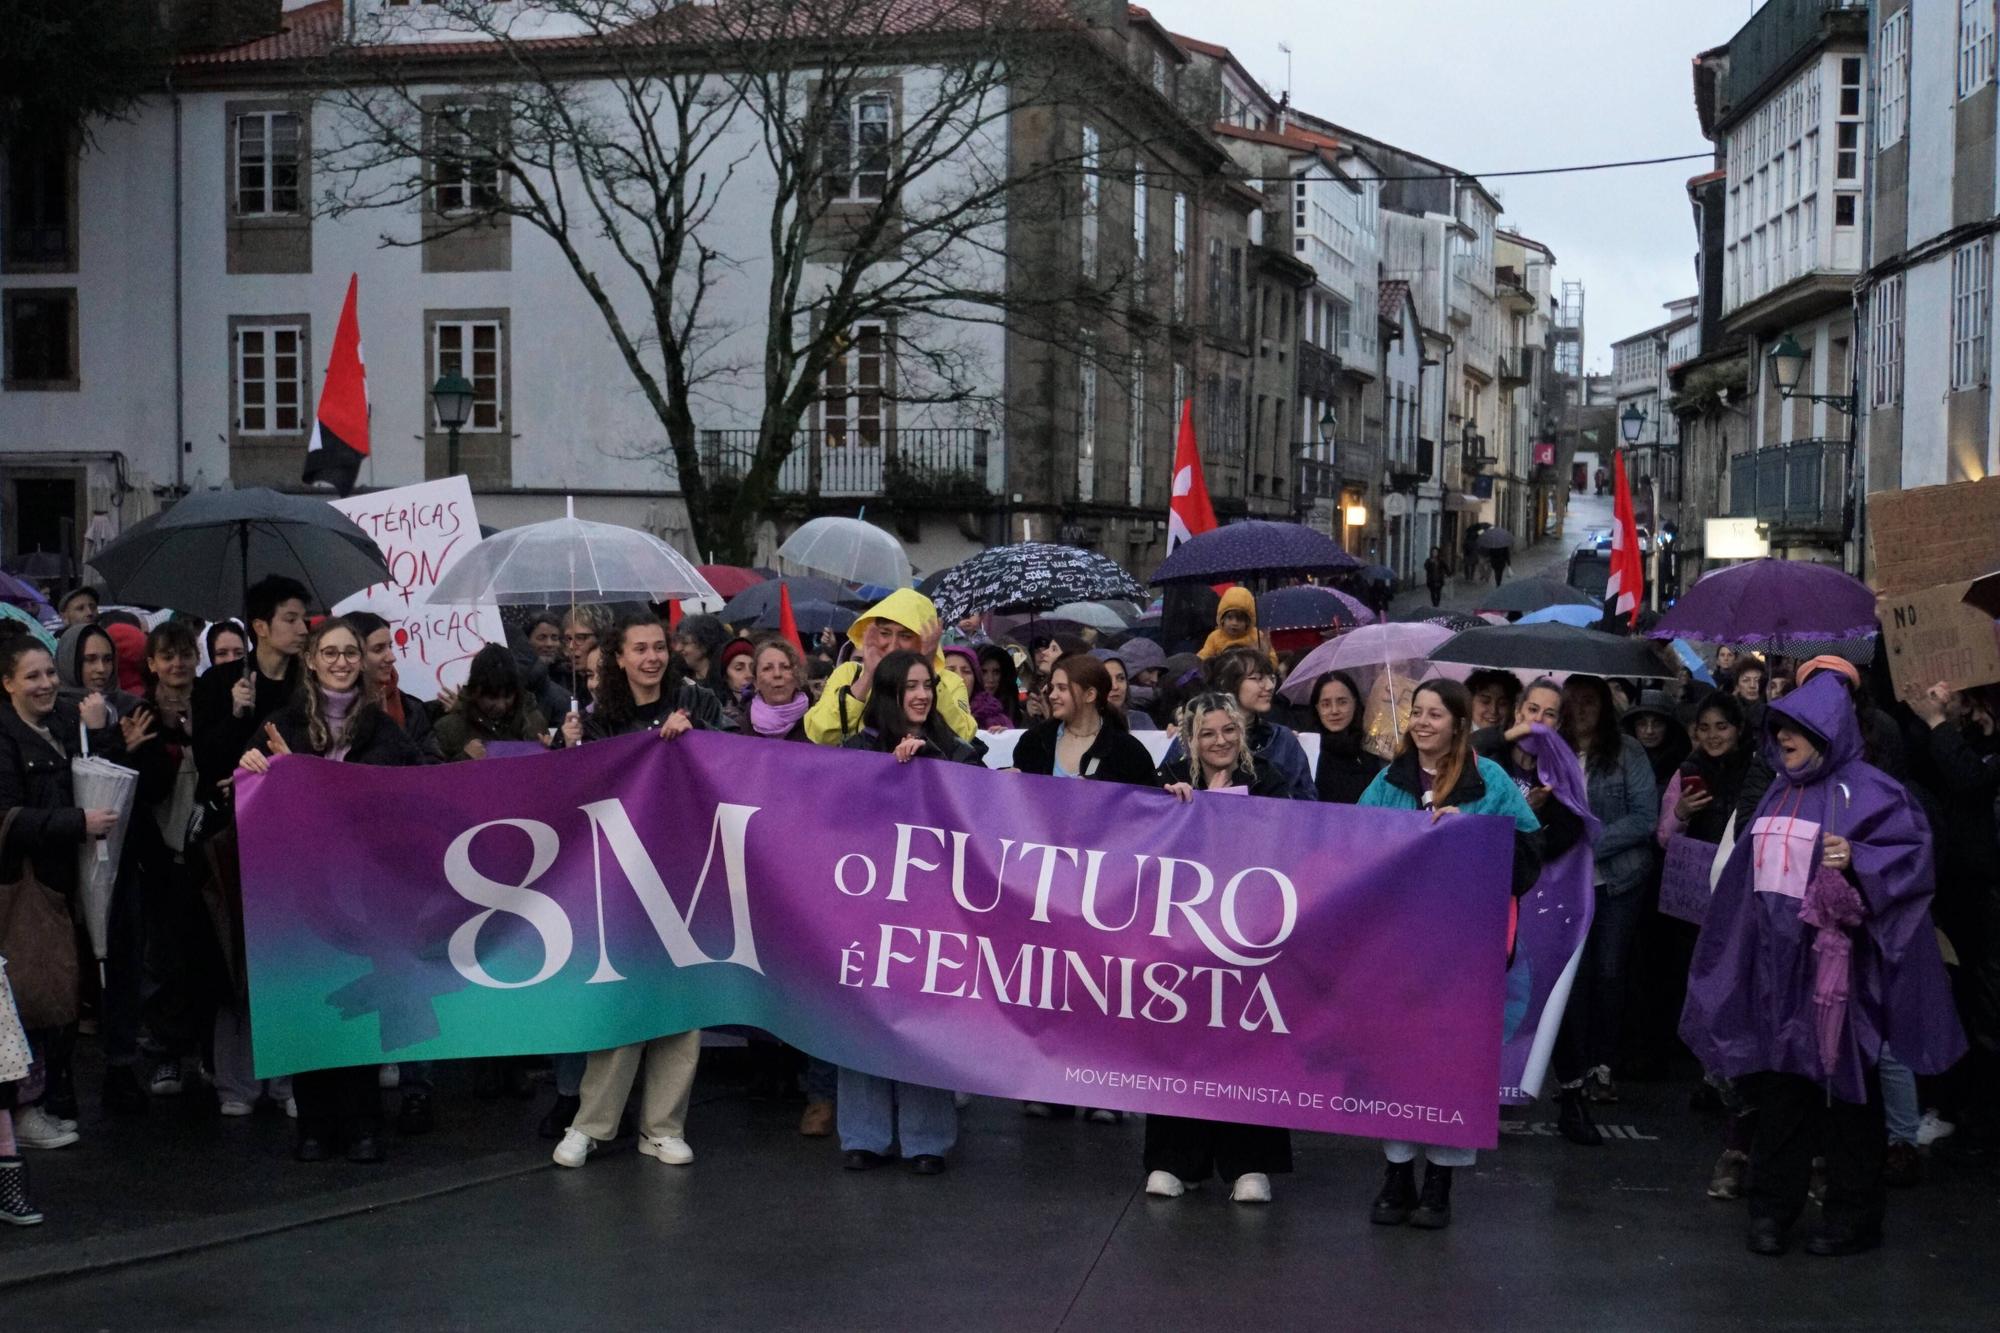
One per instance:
(1390,299)
(1706,177)
(313,30)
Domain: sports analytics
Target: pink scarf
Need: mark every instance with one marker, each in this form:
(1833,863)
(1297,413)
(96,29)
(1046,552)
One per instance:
(776,720)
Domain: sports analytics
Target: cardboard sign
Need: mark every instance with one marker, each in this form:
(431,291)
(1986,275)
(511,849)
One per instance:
(1934,535)
(422,531)
(1684,879)
(1933,637)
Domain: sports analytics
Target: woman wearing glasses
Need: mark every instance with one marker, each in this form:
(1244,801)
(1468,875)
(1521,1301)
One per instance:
(1248,678)
(336,714)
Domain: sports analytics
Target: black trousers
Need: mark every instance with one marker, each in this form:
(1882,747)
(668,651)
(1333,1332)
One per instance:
(1196,1149)
(1795,1123)
(338,1104)
(1437,594)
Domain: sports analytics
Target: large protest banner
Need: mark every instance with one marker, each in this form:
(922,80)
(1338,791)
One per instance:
(1317,966)
(422,531)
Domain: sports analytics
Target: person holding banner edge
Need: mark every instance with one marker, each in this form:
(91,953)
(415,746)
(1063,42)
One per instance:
(336,715)
(641,688)
(878,1114)
(1436,755)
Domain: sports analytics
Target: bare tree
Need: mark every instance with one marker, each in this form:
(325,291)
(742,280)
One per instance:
(879,142)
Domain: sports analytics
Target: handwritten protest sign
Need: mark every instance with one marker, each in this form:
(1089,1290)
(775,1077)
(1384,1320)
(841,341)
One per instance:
(1933,637)
(1934,534)
(1684,886)
(423,530)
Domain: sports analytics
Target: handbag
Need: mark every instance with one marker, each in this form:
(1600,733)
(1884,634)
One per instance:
(39,942)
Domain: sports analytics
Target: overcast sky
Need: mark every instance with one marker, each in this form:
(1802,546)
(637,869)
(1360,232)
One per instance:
(1494,87)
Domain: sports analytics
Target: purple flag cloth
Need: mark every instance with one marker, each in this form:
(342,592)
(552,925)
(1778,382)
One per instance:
(1750,1006)
(1322,967)
(1553,924)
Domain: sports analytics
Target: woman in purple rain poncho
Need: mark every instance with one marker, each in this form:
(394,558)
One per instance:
(1817,951)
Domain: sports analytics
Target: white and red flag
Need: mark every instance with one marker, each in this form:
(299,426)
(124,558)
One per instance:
(1626,588)
(1189,512)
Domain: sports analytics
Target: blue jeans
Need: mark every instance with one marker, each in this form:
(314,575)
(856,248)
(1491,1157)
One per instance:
(1899,1098)
(877,1112)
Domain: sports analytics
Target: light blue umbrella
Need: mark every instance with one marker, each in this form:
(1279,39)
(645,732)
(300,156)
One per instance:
(1581,617)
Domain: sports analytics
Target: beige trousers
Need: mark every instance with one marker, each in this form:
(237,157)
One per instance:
(663,1102)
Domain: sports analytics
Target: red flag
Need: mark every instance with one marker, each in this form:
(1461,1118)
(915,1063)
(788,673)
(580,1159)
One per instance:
(787,624)
(1626,588)
(1189,513)
(340,429)
(674,613)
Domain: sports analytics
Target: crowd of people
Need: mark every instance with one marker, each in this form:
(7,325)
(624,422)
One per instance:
(1811,1010)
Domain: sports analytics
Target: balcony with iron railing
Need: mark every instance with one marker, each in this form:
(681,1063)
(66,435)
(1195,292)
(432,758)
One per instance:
(1800,488)
(1325,470)
(945,464)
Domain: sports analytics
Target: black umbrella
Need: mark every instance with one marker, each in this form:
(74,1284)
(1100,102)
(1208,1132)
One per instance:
(1495,539)
(1030,576)
(1552,647)
(813,617)
(1525,595)
(758,604)
(203,554)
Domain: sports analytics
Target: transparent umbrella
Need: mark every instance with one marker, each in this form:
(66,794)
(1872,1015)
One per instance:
(568,560)
(850,549)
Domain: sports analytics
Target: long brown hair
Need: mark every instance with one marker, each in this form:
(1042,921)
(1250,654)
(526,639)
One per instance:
(314,707)
(1458,703)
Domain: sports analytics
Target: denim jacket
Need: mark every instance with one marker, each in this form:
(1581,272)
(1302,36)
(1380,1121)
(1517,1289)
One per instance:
(1626,800)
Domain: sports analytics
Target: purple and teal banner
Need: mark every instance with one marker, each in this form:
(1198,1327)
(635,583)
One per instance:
(1315,966)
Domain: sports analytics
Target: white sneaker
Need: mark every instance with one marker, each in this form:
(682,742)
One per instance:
(1252,1187)
(36,1128)
(1165,1185)
(389,1076)
(233,1107)
(575,1148)
(166,1080)
(291,1108)
(1039,1110)
(1100,1116)
(674,1152)
(1931,1128)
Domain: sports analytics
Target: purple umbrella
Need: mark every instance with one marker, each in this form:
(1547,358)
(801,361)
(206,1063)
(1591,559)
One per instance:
(21,593)
(1251,549)
(1775,606)
(1309,607)
(1371,646)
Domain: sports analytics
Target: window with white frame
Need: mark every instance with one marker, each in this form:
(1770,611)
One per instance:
(1093,190)
(1975,45)
(1893,79)
(468,161)
(1971,312)
(267,164)
(1086,422)
(471,348)
(857,155)
(1885,344)
(270,379)
(853,398)
(1180,256)
(1135,442)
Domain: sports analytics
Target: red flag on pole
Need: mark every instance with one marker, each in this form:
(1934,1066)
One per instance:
(788,625)
(1189,512)
(340,428)
(1626,588)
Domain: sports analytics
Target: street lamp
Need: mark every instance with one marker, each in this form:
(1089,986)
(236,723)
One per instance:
(1788,366)
(1631,423)
(1327,425)
(451,398)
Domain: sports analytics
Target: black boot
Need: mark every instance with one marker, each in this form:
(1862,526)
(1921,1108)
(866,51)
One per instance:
(14,1205)
(123,1093)
(415,1116)
(1434,1209)
(1398,1197)
(1573,1120)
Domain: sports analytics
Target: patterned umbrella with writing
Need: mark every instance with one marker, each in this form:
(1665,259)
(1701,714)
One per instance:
(1030,576)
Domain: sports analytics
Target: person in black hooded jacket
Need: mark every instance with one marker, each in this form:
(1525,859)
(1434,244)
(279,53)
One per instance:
(1345,768)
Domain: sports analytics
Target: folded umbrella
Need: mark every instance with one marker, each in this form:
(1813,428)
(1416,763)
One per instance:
(1555,648)
(99,784)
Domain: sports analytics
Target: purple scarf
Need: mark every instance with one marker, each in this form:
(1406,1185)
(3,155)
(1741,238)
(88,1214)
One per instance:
(338,705)
(777,720)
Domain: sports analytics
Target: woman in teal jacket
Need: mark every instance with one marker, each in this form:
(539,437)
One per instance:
(1436,756)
